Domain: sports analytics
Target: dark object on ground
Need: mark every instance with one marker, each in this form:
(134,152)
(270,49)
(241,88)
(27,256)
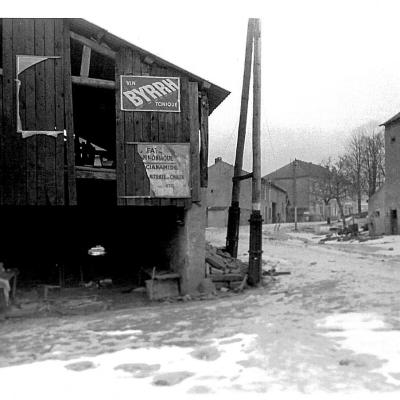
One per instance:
(350,230)
(275,273)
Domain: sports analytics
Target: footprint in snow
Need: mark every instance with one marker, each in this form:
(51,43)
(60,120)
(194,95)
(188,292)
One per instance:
(138,370)
(171,378)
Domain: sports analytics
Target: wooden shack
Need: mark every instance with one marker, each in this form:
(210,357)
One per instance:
(101,142)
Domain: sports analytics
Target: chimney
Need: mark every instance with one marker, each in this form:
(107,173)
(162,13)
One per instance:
(218,159)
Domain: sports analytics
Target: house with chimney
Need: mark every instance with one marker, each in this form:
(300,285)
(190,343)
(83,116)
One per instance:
(298,179)
(274,200)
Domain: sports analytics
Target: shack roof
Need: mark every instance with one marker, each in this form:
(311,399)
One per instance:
(216,94)
(391,120)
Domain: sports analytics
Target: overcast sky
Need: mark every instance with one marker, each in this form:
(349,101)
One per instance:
(327,66)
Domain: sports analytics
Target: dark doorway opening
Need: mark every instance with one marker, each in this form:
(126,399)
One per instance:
(393,222)
(274,213)
(37,240)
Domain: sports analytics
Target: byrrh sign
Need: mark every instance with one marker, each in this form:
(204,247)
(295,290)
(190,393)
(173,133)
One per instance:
(150,93)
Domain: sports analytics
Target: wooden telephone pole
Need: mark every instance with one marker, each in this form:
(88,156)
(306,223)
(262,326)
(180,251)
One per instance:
(255,271)
(255,250)
(232,237)
(295,194)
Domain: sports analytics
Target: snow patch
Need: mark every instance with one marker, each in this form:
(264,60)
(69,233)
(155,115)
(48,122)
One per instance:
(367,334)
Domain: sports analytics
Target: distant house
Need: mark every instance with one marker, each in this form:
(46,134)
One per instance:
(219,194)
(275,201)
(384,205)
(309,208)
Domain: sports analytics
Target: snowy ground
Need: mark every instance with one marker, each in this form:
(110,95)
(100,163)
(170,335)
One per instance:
(331,329)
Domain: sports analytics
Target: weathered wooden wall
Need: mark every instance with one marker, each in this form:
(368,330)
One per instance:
(1,136)
(33,168)
(152,127)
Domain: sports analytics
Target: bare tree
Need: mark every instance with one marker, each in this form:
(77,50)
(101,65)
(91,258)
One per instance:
(373,163)
(353,164)
(322,189)
(364,160)
(334,185)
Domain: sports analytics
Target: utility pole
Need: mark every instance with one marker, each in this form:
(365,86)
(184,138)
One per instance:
(234,210)
(255,250)
(295,194)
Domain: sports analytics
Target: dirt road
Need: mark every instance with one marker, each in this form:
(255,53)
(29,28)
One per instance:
(330,329)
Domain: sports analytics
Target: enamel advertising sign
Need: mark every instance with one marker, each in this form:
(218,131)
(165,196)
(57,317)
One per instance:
(167,166)
(150,93)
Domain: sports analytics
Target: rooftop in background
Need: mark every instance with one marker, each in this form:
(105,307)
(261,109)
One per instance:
(216,94)
(274,185)
(391,120)
(244,172)
(220,160)
(303,169)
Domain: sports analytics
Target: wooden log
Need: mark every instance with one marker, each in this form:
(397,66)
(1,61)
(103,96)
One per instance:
(242,177)
(93,82)
(85,62)
(232,237)
(216,262)
(120,133)
(194,141)
(256,189)
(242,284)
(172,275)
(95,173)
(204,110)
(243,110)
(226,277)
(105,51)
(255,246)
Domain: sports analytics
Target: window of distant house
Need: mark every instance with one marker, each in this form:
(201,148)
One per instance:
(393,139)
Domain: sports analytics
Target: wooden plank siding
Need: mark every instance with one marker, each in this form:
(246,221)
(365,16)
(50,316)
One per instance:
(69,118)
(40,169)
(10,156)
(1,111)
(120,132)
(157,127)
(1,136)
(204,110)
(194,140)
(33,168)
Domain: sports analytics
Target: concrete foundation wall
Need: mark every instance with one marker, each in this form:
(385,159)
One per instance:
(187,247)
(217,218)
